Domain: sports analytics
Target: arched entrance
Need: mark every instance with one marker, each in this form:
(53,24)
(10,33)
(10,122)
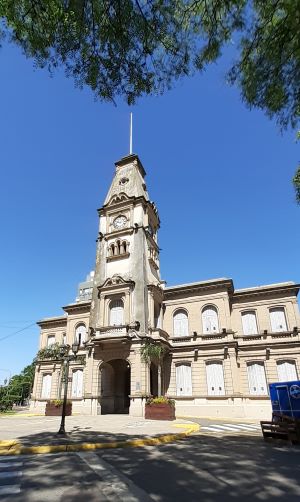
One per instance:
(115,386)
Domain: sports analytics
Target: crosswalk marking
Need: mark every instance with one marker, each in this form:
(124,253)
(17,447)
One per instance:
(9,489)
(235,428)
(10,475)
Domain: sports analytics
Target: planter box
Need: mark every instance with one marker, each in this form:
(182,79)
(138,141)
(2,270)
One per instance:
(55,411)
(159,412)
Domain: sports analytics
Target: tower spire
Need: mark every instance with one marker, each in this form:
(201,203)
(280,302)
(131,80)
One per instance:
(130,135)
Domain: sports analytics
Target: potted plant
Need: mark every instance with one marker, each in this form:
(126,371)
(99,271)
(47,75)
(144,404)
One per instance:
(54,408)
(160,408)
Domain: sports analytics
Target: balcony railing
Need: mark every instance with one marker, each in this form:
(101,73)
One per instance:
(111,331)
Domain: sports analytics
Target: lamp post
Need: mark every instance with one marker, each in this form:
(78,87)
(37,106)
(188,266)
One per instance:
(66,358)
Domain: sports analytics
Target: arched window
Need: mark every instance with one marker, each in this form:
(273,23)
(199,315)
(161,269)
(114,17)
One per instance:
(80,330)
(77,383)
(278,320)
(183,379)
(116,314)
(257,379)
(287,371)
(210,320)
(249,323)
(215,378)
(46,386)
(180,323)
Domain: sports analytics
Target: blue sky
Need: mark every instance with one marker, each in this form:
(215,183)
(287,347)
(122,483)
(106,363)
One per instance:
(219,174)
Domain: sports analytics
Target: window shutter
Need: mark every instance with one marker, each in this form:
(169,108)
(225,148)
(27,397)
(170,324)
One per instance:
(46,386)
(210,320)
(278,321)
(116,313)
(257,379)
(249,323)
(215,379)
(180,324)
(50,340)
(286,371)
(77,382)
(80,330)
(183,380)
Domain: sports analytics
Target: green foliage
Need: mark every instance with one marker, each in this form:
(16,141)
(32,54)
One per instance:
(151,351)
(58,402)
(18,389)
(296,182)
(160,400)
(135,47)
(52,352)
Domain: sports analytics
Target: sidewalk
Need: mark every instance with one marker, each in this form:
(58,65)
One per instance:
(27,434)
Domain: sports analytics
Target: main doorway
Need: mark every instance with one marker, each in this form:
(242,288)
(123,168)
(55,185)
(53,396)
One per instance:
(115,387)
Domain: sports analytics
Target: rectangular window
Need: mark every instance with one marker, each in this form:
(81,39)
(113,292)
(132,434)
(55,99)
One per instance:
(287,371)
(215,379)
(50,340)
(46,386)
(77,383)
(183,379)
(278,320)
(249,323)
(257,379)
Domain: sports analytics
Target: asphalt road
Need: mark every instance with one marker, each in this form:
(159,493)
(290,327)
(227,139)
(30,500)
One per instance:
(213,467)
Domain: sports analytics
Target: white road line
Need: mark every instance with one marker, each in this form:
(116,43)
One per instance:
(226,427)
(5,465)
(256,427)
(10,474)
(213,429)
(9,489)
(243,427)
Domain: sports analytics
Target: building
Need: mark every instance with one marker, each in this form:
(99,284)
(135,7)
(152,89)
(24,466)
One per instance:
(222,346)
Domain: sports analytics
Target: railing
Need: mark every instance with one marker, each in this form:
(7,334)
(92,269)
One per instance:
(111,331)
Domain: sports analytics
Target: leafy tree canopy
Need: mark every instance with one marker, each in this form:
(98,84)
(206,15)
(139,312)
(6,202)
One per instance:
(135,47)
(18,389)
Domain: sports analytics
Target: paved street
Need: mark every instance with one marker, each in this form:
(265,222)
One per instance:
(225,461)
(213,469)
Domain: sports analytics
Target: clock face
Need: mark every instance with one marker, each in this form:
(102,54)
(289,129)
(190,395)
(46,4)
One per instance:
(120,222)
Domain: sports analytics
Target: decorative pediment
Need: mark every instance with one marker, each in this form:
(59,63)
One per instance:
(117,198)
(116,281)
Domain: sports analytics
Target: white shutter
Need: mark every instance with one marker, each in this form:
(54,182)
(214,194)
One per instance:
(46,386)
(210,320)
(249,323)
(116,313)
(215,379)
(80,330)
(180,322)
(50,340)
(278,321)
(77,382)
(257,379)
(286,371)
(183,380)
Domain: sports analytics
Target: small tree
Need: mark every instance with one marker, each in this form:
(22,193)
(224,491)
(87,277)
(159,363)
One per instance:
(153,352)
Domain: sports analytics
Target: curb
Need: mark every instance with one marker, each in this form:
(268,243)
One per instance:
(13,447)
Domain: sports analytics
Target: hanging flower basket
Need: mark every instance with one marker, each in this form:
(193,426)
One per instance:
(54,408)
(160,408)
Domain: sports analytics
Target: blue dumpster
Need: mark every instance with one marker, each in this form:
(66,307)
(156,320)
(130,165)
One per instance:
(285,398)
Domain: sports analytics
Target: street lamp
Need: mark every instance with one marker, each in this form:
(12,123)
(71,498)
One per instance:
(66,358)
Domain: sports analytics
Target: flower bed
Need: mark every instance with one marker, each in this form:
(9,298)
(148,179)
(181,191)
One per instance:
(54,408)
(160,408)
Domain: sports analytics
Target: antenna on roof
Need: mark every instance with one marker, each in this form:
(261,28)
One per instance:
(130,136)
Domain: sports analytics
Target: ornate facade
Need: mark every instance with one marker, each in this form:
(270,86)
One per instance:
(221,346)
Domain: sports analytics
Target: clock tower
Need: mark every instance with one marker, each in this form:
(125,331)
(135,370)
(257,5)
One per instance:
(126,305)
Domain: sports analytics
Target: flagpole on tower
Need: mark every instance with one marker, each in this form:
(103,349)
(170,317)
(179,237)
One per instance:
(130,138)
